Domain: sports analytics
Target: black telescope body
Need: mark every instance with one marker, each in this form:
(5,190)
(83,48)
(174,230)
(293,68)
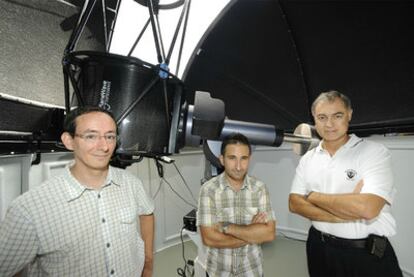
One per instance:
(134,93)
(147,100)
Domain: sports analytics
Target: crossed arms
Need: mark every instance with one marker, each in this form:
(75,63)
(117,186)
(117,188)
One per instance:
(336,208)
(258,231)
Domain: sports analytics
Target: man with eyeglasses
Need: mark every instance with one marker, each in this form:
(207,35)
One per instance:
(345,187)
(92,220)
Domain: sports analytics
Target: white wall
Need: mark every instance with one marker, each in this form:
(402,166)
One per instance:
(276,167)
(12,179)
(169,208)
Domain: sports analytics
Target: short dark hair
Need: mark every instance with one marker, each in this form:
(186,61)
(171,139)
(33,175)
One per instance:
(69,125)
(235,138)
(331,96)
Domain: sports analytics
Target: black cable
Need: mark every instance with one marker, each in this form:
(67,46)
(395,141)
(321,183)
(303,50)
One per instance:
(160,170)
(183,271)
(158,189)
(185,183)
(176,193)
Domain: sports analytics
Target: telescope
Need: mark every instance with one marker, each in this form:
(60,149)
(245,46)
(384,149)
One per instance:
(148,101)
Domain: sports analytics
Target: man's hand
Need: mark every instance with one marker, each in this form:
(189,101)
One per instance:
(260,217)
(301,204)
(147,271)
(213,236)
(358,187)
(218,226)
(349,206)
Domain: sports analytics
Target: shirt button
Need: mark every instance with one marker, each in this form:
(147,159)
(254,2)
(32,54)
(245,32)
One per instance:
(99,196)
(103,220)
(112,271)
(108,245)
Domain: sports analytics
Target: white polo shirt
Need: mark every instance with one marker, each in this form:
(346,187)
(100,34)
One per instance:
(357,159)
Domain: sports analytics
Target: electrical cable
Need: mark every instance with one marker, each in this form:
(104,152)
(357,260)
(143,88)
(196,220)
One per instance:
(185,183)
(158,189)
(176,193)
(160,170)
(183,271)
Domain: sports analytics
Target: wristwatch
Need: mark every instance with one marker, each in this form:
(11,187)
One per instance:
(224,227)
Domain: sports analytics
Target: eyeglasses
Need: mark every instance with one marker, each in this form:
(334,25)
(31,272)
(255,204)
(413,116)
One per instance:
(94,138)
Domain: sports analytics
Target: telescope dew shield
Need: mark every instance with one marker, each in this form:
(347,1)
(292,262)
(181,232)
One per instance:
(132,90)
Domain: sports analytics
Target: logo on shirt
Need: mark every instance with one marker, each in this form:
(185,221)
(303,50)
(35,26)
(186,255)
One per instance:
(350,174)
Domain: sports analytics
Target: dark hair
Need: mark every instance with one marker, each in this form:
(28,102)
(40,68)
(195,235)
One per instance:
(331,96)
(69,125)
(235,138)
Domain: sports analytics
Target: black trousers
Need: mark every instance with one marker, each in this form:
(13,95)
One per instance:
(325,259)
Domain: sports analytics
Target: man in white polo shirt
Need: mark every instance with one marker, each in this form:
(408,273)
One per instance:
(345,187)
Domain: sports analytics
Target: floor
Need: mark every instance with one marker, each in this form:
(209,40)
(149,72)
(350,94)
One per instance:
(283,257)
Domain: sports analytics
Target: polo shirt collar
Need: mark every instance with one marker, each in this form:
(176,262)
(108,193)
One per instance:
(319,148)
(76,189)
(353,140)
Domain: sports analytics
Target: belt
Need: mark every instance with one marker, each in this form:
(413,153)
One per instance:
(340,242)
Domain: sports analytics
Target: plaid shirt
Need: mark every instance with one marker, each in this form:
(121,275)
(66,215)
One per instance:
(218,202)
(62,228)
